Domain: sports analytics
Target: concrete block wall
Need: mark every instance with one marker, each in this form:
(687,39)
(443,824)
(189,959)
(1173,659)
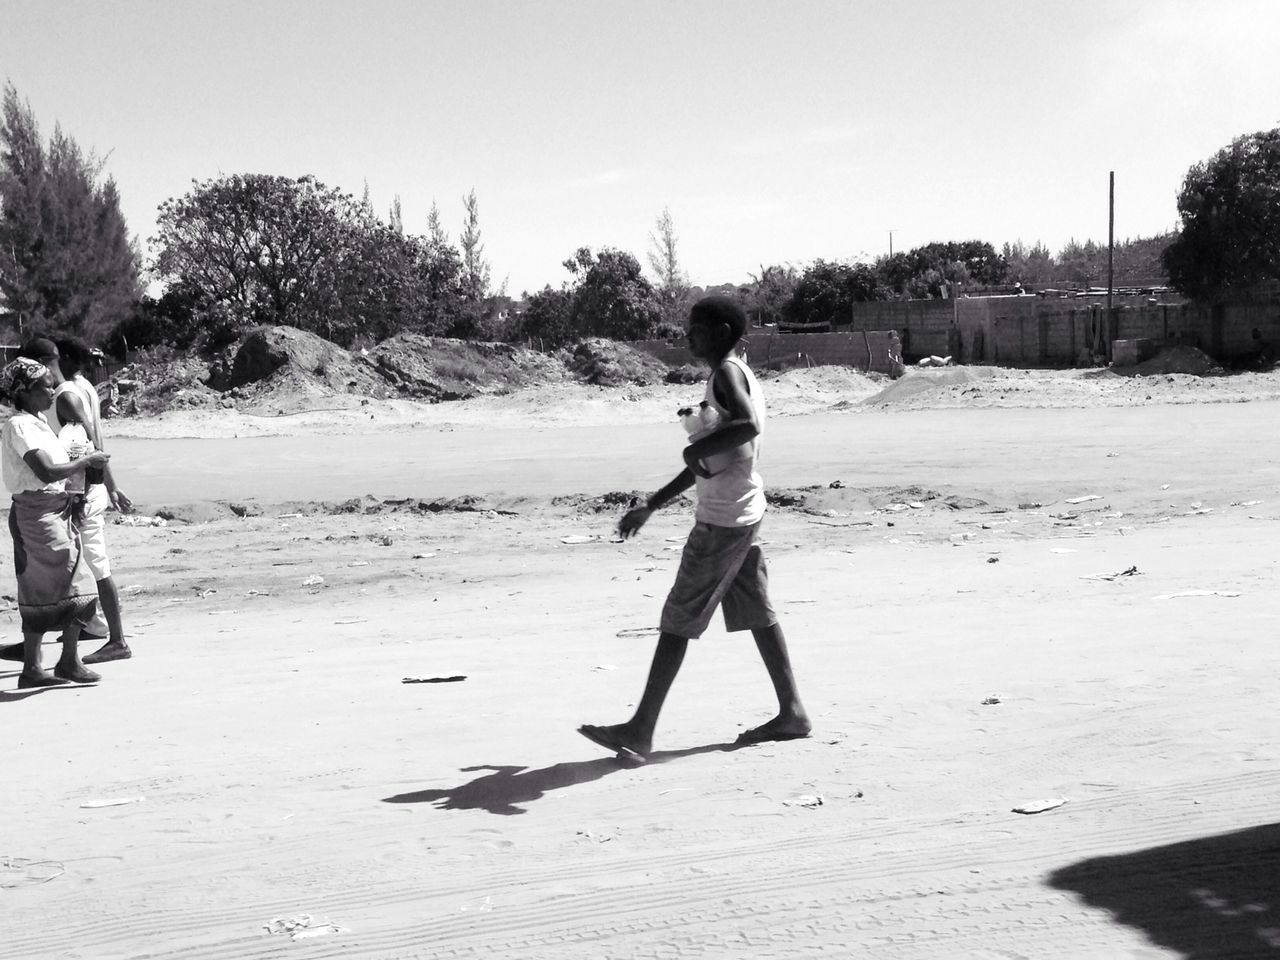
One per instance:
(765,348)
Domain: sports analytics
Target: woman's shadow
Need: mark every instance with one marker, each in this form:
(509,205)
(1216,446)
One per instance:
(505,787)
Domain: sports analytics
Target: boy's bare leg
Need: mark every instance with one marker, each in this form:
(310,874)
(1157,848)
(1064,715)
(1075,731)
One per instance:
(33,674)
(791,723)
(116,648)
(69,665)
(636,735)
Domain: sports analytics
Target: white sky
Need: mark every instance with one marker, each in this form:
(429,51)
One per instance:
(774,131)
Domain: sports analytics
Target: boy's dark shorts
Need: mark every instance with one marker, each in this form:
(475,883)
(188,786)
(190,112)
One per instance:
(720,566)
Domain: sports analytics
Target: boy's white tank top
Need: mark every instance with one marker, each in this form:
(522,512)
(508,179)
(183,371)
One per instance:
(733,496)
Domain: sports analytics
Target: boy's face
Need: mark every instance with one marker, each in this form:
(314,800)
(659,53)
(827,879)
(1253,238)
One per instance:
(703,340)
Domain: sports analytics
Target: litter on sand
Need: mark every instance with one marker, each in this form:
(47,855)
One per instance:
(423,556)
(313,581)
(1199,593)
(20,872)
(578,538)
(637,632)
(990,701)
(350,620)
(358,563)
(809,800)
(115,802)
(1040,806)
(1084,499)
(604,666)
(303,927)
(1129,572)
(136,520)
(453,679)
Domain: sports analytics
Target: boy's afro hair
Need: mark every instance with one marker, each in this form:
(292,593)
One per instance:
(718,309)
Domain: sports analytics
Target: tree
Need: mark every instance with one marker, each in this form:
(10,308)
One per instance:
(1033,268)
(673,284)
(67,263)
(548,317)
(931,270)
(827,290)
(475,269)
(770,292)
(611,297)
(279,250)
(1229,209)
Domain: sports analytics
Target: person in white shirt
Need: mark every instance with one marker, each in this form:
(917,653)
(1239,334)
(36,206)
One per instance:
(55,587)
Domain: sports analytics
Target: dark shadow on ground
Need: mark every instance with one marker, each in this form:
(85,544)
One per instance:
(506,787)
(1212,898)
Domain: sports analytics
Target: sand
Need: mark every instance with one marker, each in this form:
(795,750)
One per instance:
(953,633)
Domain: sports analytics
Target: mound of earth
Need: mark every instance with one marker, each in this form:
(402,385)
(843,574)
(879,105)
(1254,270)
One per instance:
(435,368)
(1177,360)
(607,363)
(918,380)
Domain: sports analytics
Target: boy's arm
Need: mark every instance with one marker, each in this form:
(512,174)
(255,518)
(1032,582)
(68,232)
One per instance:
(636,517)
(71,410)
(739,427)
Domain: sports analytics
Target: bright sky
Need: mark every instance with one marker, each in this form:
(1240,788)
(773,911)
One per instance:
(773,131)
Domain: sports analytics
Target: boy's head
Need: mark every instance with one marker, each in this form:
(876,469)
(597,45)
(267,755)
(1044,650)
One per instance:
(40,349)
(75,355)
(715,324)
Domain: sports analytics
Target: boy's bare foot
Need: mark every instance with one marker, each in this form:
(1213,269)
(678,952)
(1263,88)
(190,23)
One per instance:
(76,674)
(111,650)
(42,679)
(779,728)
(620,739)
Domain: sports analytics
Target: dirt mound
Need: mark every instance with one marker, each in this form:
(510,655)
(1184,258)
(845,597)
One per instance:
(918,380)
(161,383)
(434,368)
(288,369)
(1178,360)
(607,363)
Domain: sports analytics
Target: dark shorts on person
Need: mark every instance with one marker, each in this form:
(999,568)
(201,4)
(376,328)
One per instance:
(720,567)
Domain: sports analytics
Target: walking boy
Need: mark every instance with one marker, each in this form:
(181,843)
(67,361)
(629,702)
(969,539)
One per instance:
(722,564)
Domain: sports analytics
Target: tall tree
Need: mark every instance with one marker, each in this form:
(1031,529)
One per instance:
(673,283)
(67,263)
(1229,208)
(396,218)
(475,269)
(435,226)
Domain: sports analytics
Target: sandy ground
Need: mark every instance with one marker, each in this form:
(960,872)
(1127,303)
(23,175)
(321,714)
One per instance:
(954,638)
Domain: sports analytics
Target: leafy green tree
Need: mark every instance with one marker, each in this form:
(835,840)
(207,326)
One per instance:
(929,270)
(1032,267)
(770,291)
(279,250)
(611,297)
(827,290)
(67,263)
(548,317)
(1229,208)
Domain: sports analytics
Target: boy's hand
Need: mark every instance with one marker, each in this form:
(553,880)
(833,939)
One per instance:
(694,464)
(633,520)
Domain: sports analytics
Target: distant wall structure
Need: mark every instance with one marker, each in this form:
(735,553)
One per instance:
(1031,331)
(766,349)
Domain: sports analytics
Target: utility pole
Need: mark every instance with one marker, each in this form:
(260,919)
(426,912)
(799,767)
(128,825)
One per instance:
(1111,240)
(890,243)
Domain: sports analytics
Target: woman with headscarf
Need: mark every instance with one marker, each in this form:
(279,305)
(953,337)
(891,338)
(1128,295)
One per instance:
(56,590)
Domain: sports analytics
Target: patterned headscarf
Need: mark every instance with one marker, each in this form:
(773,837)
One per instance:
(20,375)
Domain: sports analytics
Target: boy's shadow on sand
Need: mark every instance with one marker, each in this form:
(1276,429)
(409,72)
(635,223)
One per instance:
(500,791)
